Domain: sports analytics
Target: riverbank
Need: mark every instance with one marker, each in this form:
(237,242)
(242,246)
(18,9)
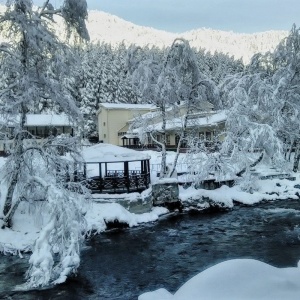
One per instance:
(265,190)
(27,224)
(127,210)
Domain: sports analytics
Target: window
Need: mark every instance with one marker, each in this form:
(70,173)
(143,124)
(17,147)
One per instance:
(39,131)
(104,124)
(168,142)
(104,135)
(121,133)
(183,143)
(208,136)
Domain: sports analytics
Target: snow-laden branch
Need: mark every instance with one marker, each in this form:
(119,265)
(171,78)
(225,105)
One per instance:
(9,88)
(62,235)
(4,48)
(45,5)
(51,12)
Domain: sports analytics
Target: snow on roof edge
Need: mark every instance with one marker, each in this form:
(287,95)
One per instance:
(126,106)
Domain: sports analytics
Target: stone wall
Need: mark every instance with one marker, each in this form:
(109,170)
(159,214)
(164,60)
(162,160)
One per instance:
(134,202)
(165,191)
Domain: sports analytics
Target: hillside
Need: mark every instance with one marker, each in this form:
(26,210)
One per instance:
(104,27)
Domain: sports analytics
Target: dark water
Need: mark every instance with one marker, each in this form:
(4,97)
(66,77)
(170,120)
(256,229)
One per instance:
(126,263)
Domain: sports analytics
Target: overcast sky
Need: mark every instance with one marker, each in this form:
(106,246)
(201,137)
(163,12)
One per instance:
(182,15)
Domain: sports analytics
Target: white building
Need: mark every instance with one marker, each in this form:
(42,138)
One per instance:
(113,120)
(38,126)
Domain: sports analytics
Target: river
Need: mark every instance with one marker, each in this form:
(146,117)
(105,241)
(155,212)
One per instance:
(122,264)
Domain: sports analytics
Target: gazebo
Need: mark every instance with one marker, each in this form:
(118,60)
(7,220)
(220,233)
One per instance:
(130,141)
(112,169)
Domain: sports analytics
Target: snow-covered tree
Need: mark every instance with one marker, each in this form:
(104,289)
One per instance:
(286,94)
(90,76)
(249,125)
(35,66)
(264,103)
(207,162)
(168,85)
(116,80)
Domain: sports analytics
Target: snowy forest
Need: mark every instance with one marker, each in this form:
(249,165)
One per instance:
(42,72)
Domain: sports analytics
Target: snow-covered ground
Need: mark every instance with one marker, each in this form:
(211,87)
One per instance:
(270,189)
(236,279)
(27,224)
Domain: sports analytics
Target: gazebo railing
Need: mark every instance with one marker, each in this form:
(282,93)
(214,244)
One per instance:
(114,181)
(117,182)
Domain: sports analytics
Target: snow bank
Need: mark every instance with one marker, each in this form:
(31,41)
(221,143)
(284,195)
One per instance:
(26,229)
(13,242)
(272,189)
(237,279)
(99,214)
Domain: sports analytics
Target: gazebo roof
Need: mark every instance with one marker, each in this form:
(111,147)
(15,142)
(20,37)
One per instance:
(110,153)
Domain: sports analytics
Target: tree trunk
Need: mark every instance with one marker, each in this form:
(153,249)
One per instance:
(8,210)
(291,150)
(163,144)
(251,166)
(19,140)
(8,217)
(182,135)
(184,127)
(296,159)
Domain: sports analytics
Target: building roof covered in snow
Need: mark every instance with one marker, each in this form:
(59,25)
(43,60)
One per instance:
(37,120)
(176,123)
(127,106)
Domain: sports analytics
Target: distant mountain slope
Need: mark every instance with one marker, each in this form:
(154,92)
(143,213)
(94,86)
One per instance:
(104,27)
(108,28)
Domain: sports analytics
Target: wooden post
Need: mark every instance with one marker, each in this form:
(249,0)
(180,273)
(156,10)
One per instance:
(142,167)
(100,180)
(100,170)
(75,172)
(148,166)
(84,170)
(126,175)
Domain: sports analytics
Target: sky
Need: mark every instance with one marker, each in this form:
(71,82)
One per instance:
(244,16)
